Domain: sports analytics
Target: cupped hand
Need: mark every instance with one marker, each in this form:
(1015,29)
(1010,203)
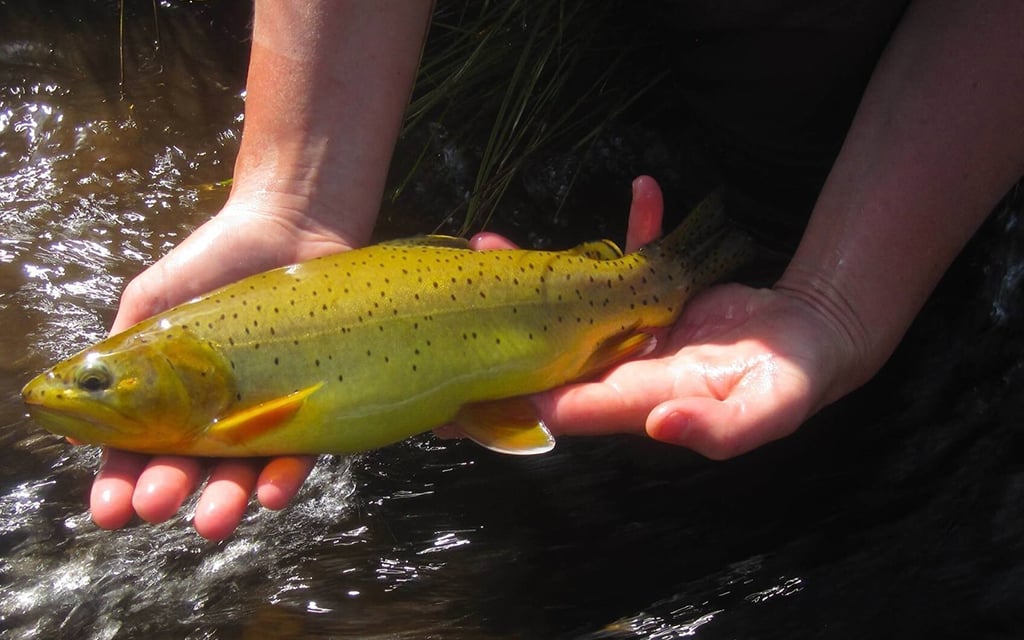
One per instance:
(237,242)
(740,368)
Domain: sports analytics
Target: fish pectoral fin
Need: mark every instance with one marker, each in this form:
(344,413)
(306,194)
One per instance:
(255,421)
(435,240)
(510,425)
(630,343)
(597,250)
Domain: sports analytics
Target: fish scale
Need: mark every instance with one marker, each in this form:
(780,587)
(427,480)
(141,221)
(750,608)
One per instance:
(361,349)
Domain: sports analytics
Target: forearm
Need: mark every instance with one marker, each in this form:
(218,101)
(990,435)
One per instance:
(937,140)
(328,83)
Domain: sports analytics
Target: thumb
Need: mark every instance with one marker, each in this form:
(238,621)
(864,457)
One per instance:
(722,429)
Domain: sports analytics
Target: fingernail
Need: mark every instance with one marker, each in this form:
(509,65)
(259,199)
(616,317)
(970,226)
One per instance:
(673,428)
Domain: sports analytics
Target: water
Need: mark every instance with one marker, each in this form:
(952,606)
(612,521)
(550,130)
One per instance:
(896,513)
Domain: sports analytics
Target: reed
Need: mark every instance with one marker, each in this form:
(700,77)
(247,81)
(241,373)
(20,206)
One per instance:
(514,78)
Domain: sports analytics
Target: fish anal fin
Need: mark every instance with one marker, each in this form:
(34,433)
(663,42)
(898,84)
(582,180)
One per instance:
(597,250)
(509,425)
(630,343)
(262,418)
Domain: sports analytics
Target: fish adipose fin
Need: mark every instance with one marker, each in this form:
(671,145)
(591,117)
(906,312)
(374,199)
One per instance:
(510,425)
(255,421)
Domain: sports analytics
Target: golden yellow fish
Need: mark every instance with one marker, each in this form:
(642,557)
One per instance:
(365,348)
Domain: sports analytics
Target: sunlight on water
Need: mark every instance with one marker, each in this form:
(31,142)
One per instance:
(68,573)
(725,594)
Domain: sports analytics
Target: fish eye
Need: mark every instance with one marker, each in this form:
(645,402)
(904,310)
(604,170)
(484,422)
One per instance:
(93,377)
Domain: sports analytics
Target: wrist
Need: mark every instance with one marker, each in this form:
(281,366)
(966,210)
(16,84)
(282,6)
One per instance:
(846,351)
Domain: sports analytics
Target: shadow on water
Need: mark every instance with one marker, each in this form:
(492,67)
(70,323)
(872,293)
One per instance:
(895,513)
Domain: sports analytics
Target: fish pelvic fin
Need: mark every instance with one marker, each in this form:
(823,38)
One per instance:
(253,422)
(509,425)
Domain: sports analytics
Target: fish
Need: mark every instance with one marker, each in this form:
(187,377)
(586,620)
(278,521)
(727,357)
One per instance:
(362,349)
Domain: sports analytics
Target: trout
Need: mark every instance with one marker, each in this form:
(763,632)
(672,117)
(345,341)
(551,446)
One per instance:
(365,348)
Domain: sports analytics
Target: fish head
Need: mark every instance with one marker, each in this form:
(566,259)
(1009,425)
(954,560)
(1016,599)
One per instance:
(147,390)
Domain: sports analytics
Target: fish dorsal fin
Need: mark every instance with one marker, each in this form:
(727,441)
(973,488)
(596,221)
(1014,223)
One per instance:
(509,425)
(449,242)
(629,343)
(255,421)
(597,250)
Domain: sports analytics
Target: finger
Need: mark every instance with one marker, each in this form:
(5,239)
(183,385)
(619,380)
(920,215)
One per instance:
(281,479)
(490,241)
(619,403)
(163,487)
(722,429)
(111,498)
(645,213)
(225,498)
(588,409)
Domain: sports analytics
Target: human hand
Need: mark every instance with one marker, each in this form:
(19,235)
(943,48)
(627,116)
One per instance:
(741,367)
(239,241)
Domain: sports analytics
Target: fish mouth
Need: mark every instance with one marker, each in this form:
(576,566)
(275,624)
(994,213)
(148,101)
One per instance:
(70,424)
(67,421)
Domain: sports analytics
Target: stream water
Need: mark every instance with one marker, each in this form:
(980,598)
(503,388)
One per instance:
(898,512)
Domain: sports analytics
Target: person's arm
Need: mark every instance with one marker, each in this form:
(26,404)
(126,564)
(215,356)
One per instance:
(328,83)
(937,140)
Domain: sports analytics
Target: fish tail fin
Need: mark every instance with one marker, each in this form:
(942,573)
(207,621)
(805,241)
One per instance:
(705,245)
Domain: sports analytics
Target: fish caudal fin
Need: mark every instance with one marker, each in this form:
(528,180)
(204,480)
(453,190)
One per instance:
(705,245)
(510,425)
